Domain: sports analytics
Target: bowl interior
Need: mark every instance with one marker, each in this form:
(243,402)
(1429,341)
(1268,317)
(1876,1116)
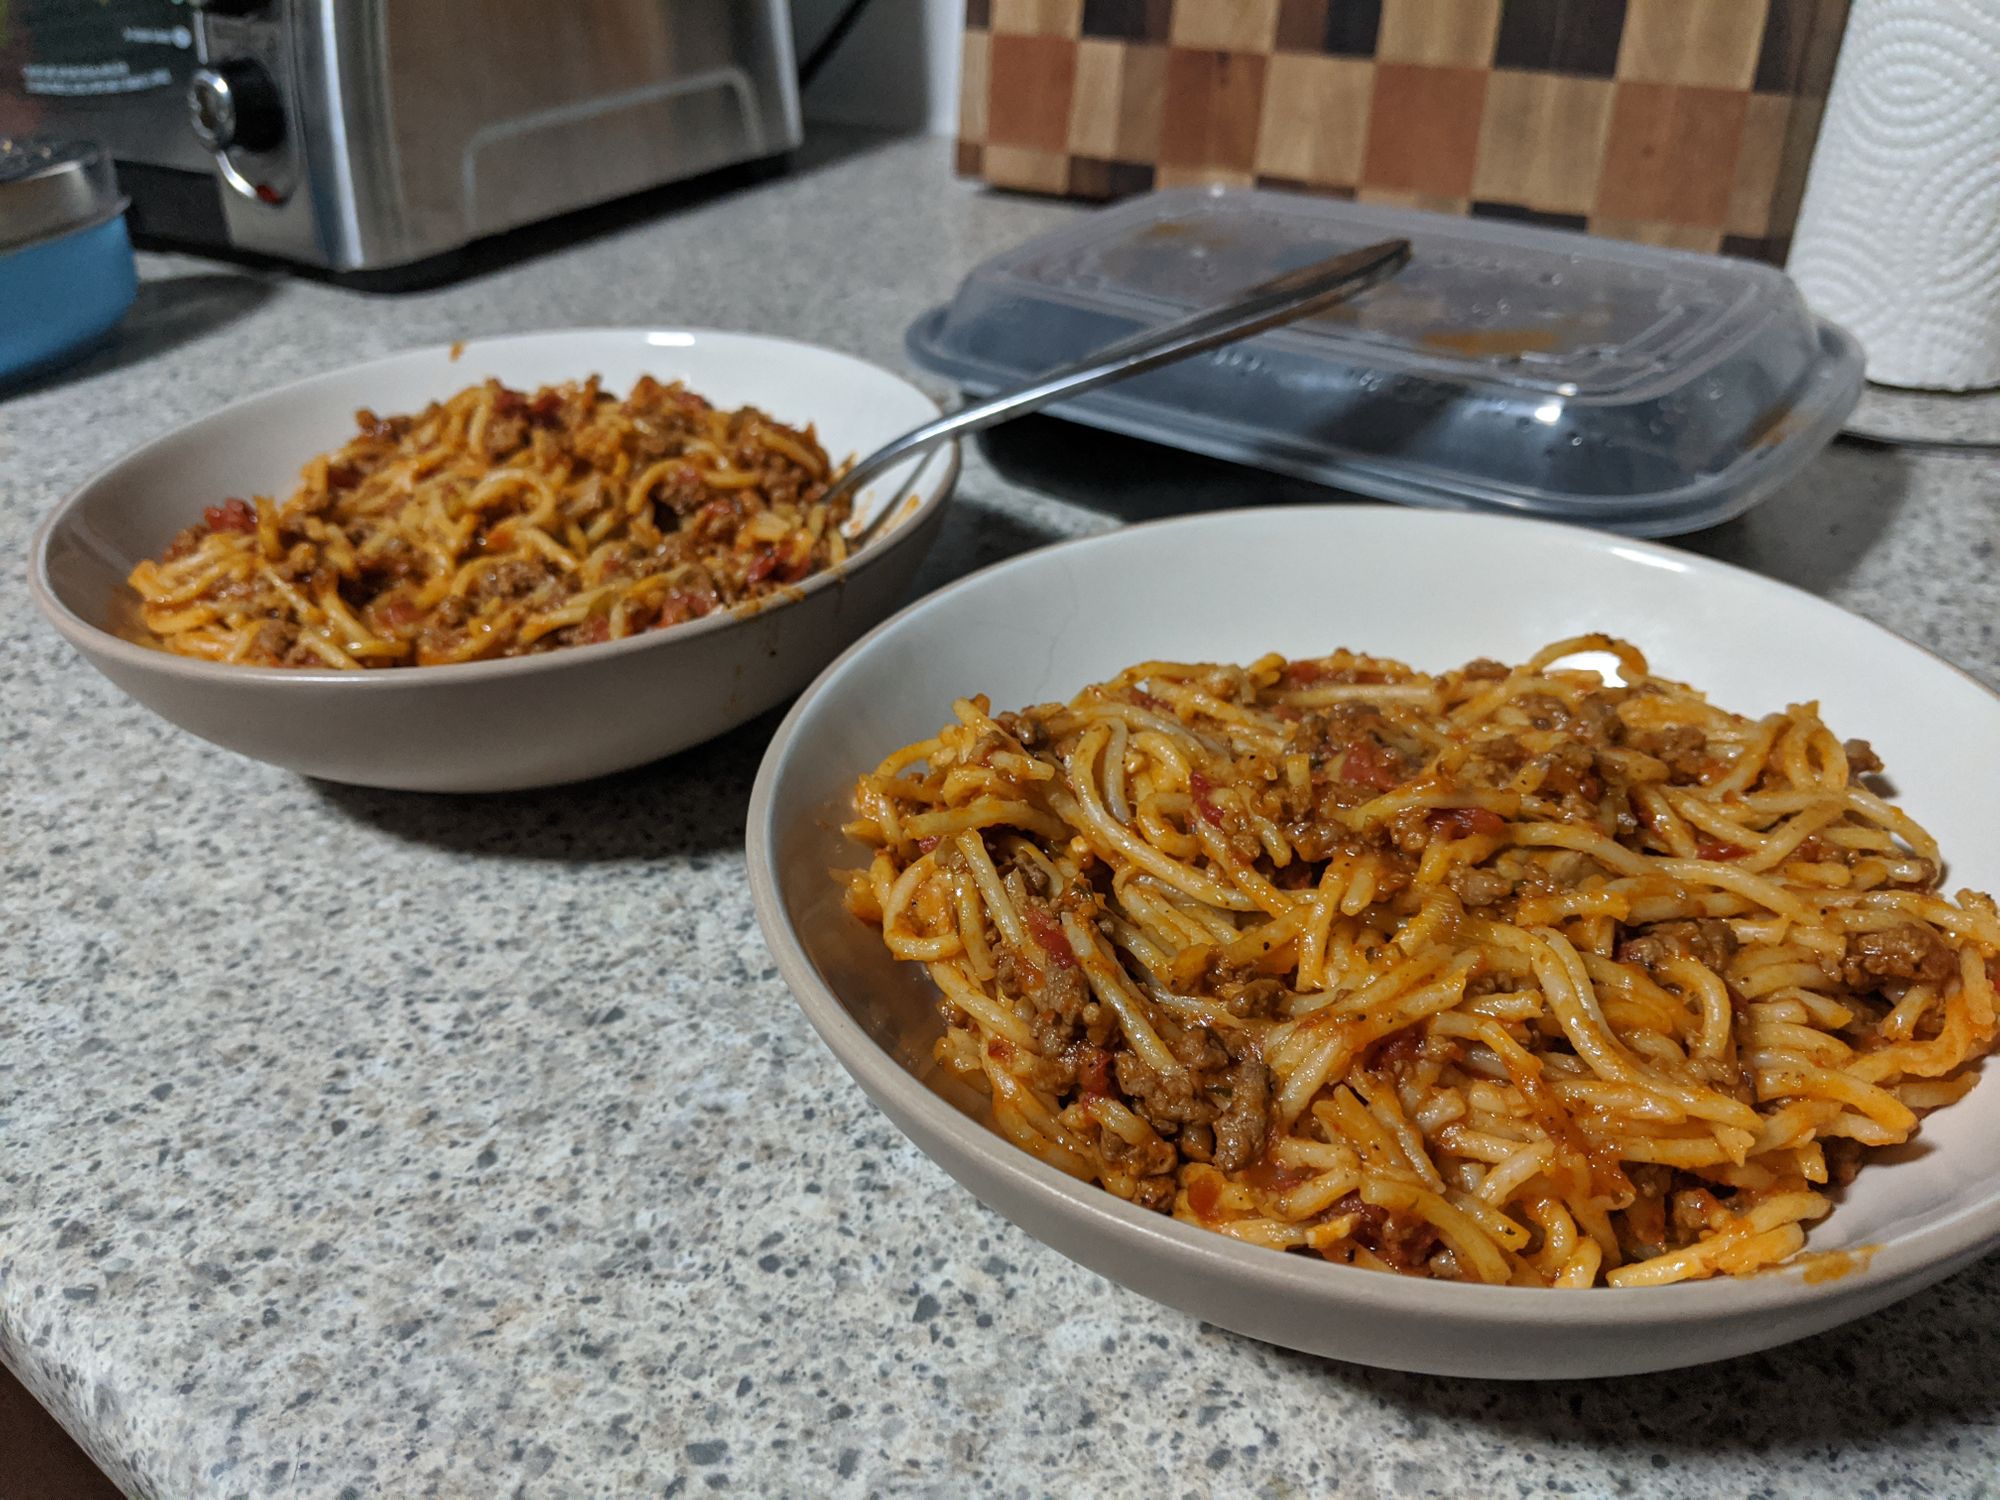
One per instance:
(132,510)
(1435,590)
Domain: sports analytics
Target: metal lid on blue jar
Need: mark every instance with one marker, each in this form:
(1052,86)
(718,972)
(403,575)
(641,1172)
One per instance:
(51,188)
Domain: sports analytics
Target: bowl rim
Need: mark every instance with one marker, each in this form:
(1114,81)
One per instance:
(1202,1252)
(931,493)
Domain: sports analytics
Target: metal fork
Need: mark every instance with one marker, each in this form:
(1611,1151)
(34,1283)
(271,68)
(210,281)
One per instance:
(1295,294)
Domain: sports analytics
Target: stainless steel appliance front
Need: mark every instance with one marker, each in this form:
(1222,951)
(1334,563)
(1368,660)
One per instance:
(357,134)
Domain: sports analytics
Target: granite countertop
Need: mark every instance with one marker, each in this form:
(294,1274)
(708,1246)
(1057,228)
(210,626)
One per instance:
(355,1143)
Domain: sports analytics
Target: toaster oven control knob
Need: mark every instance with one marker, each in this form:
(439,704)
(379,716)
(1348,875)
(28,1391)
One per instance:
(235,105)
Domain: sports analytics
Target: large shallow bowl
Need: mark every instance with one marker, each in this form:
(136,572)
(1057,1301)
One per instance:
(1435,590)
(495,725)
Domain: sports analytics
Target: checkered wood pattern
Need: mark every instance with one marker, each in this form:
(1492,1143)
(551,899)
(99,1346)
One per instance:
(1676,122)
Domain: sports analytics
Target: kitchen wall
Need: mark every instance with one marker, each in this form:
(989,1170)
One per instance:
(898,67)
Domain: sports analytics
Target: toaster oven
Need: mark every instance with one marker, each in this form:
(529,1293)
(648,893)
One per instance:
(360,134)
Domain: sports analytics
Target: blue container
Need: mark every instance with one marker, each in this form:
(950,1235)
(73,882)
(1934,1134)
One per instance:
(66,269)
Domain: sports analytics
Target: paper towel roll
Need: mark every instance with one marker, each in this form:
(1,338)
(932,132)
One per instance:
(1898,235)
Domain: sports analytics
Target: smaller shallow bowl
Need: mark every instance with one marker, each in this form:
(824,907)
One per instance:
(519,722)
(1434,590)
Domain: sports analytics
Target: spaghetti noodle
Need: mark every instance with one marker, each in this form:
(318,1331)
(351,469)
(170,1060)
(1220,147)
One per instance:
(1507,975)
(500,524)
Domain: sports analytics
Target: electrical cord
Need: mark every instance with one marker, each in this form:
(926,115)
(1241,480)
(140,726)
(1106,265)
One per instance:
(828,44)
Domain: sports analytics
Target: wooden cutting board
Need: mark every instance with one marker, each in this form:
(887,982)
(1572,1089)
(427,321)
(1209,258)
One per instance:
(1676,122)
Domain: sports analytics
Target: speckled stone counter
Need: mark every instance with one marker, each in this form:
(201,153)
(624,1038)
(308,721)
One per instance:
(360,1144)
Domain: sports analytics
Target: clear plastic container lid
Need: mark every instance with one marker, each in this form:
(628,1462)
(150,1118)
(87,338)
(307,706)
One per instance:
(1508,367)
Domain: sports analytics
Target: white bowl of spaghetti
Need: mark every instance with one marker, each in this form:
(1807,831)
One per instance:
(1632,1023)
(550,556)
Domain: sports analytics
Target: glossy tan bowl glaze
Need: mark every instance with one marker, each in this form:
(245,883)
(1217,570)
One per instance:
(495,725)
(1435,590)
